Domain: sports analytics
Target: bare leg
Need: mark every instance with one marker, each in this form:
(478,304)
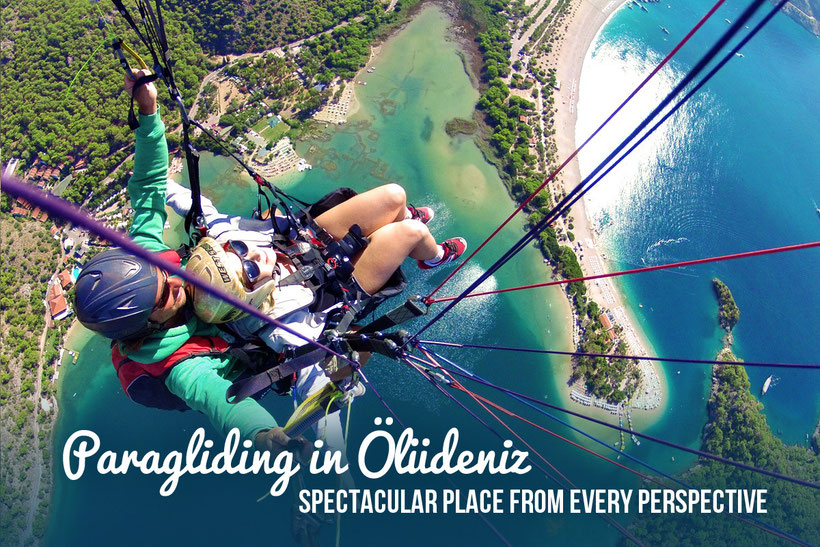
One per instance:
(370,210)
(388,248)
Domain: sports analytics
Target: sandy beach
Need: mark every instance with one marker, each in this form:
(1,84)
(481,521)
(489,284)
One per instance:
(587,20)
(338,111)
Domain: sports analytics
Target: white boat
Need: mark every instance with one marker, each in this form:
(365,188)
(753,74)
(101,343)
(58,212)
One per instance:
(766,385)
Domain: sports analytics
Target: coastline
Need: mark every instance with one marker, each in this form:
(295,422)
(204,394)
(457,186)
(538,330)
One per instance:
(74,341)
(586,23)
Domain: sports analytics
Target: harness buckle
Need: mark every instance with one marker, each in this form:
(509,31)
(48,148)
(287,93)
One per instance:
(298,248)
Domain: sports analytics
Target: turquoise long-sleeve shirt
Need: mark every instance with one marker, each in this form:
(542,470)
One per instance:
(200,381)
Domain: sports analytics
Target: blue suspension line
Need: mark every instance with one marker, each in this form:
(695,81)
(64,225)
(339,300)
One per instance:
(607,445)
(571,198)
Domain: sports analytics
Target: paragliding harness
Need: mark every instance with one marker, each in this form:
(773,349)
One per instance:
(144,383)
(323,263)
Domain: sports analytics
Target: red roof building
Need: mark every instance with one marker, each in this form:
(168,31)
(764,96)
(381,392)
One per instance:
(19,212)
(53,230)
(65,279)
(57,305)
(522,118)
(35,213)
(605,321)
(43,216)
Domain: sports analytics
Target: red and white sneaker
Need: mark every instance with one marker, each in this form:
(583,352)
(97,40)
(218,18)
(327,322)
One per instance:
(422,214)
(453,248)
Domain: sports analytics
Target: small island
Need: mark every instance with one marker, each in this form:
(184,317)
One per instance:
(728,312)
(460,126)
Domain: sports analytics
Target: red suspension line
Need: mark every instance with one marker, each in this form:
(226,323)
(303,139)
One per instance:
(583,144)
(747,254)
(456,385)
(460,387)
(477,398)
(616,356)
(645,476)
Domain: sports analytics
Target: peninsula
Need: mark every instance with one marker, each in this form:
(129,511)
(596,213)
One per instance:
(737,430)
(531,59)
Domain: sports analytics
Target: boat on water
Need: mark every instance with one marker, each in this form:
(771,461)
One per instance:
(664,29)
(728,21)
(739,54)
(644,7)
(766,385)
(818,210)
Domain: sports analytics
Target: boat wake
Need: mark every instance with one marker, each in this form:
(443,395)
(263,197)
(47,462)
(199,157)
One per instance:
(665,242)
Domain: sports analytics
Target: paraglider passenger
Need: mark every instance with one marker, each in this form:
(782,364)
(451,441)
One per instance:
(165,355)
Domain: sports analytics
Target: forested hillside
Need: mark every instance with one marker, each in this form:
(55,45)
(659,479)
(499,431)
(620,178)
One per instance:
(63,105)
(226,26)
(46,117)
(28,356)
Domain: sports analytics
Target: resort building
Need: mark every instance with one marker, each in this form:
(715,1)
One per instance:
(65,279)
(57,304)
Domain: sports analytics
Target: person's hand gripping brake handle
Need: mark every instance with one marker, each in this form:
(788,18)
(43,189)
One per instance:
(145,95)
(276,440)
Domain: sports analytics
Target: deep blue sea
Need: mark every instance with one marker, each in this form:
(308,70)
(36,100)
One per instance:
(736,169)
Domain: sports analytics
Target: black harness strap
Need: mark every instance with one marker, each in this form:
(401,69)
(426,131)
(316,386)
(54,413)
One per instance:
(389,345)
(156,41)
(195,218)
(410,309)
(248,387)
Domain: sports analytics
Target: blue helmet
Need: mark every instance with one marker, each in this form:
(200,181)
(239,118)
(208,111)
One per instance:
(115,293)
